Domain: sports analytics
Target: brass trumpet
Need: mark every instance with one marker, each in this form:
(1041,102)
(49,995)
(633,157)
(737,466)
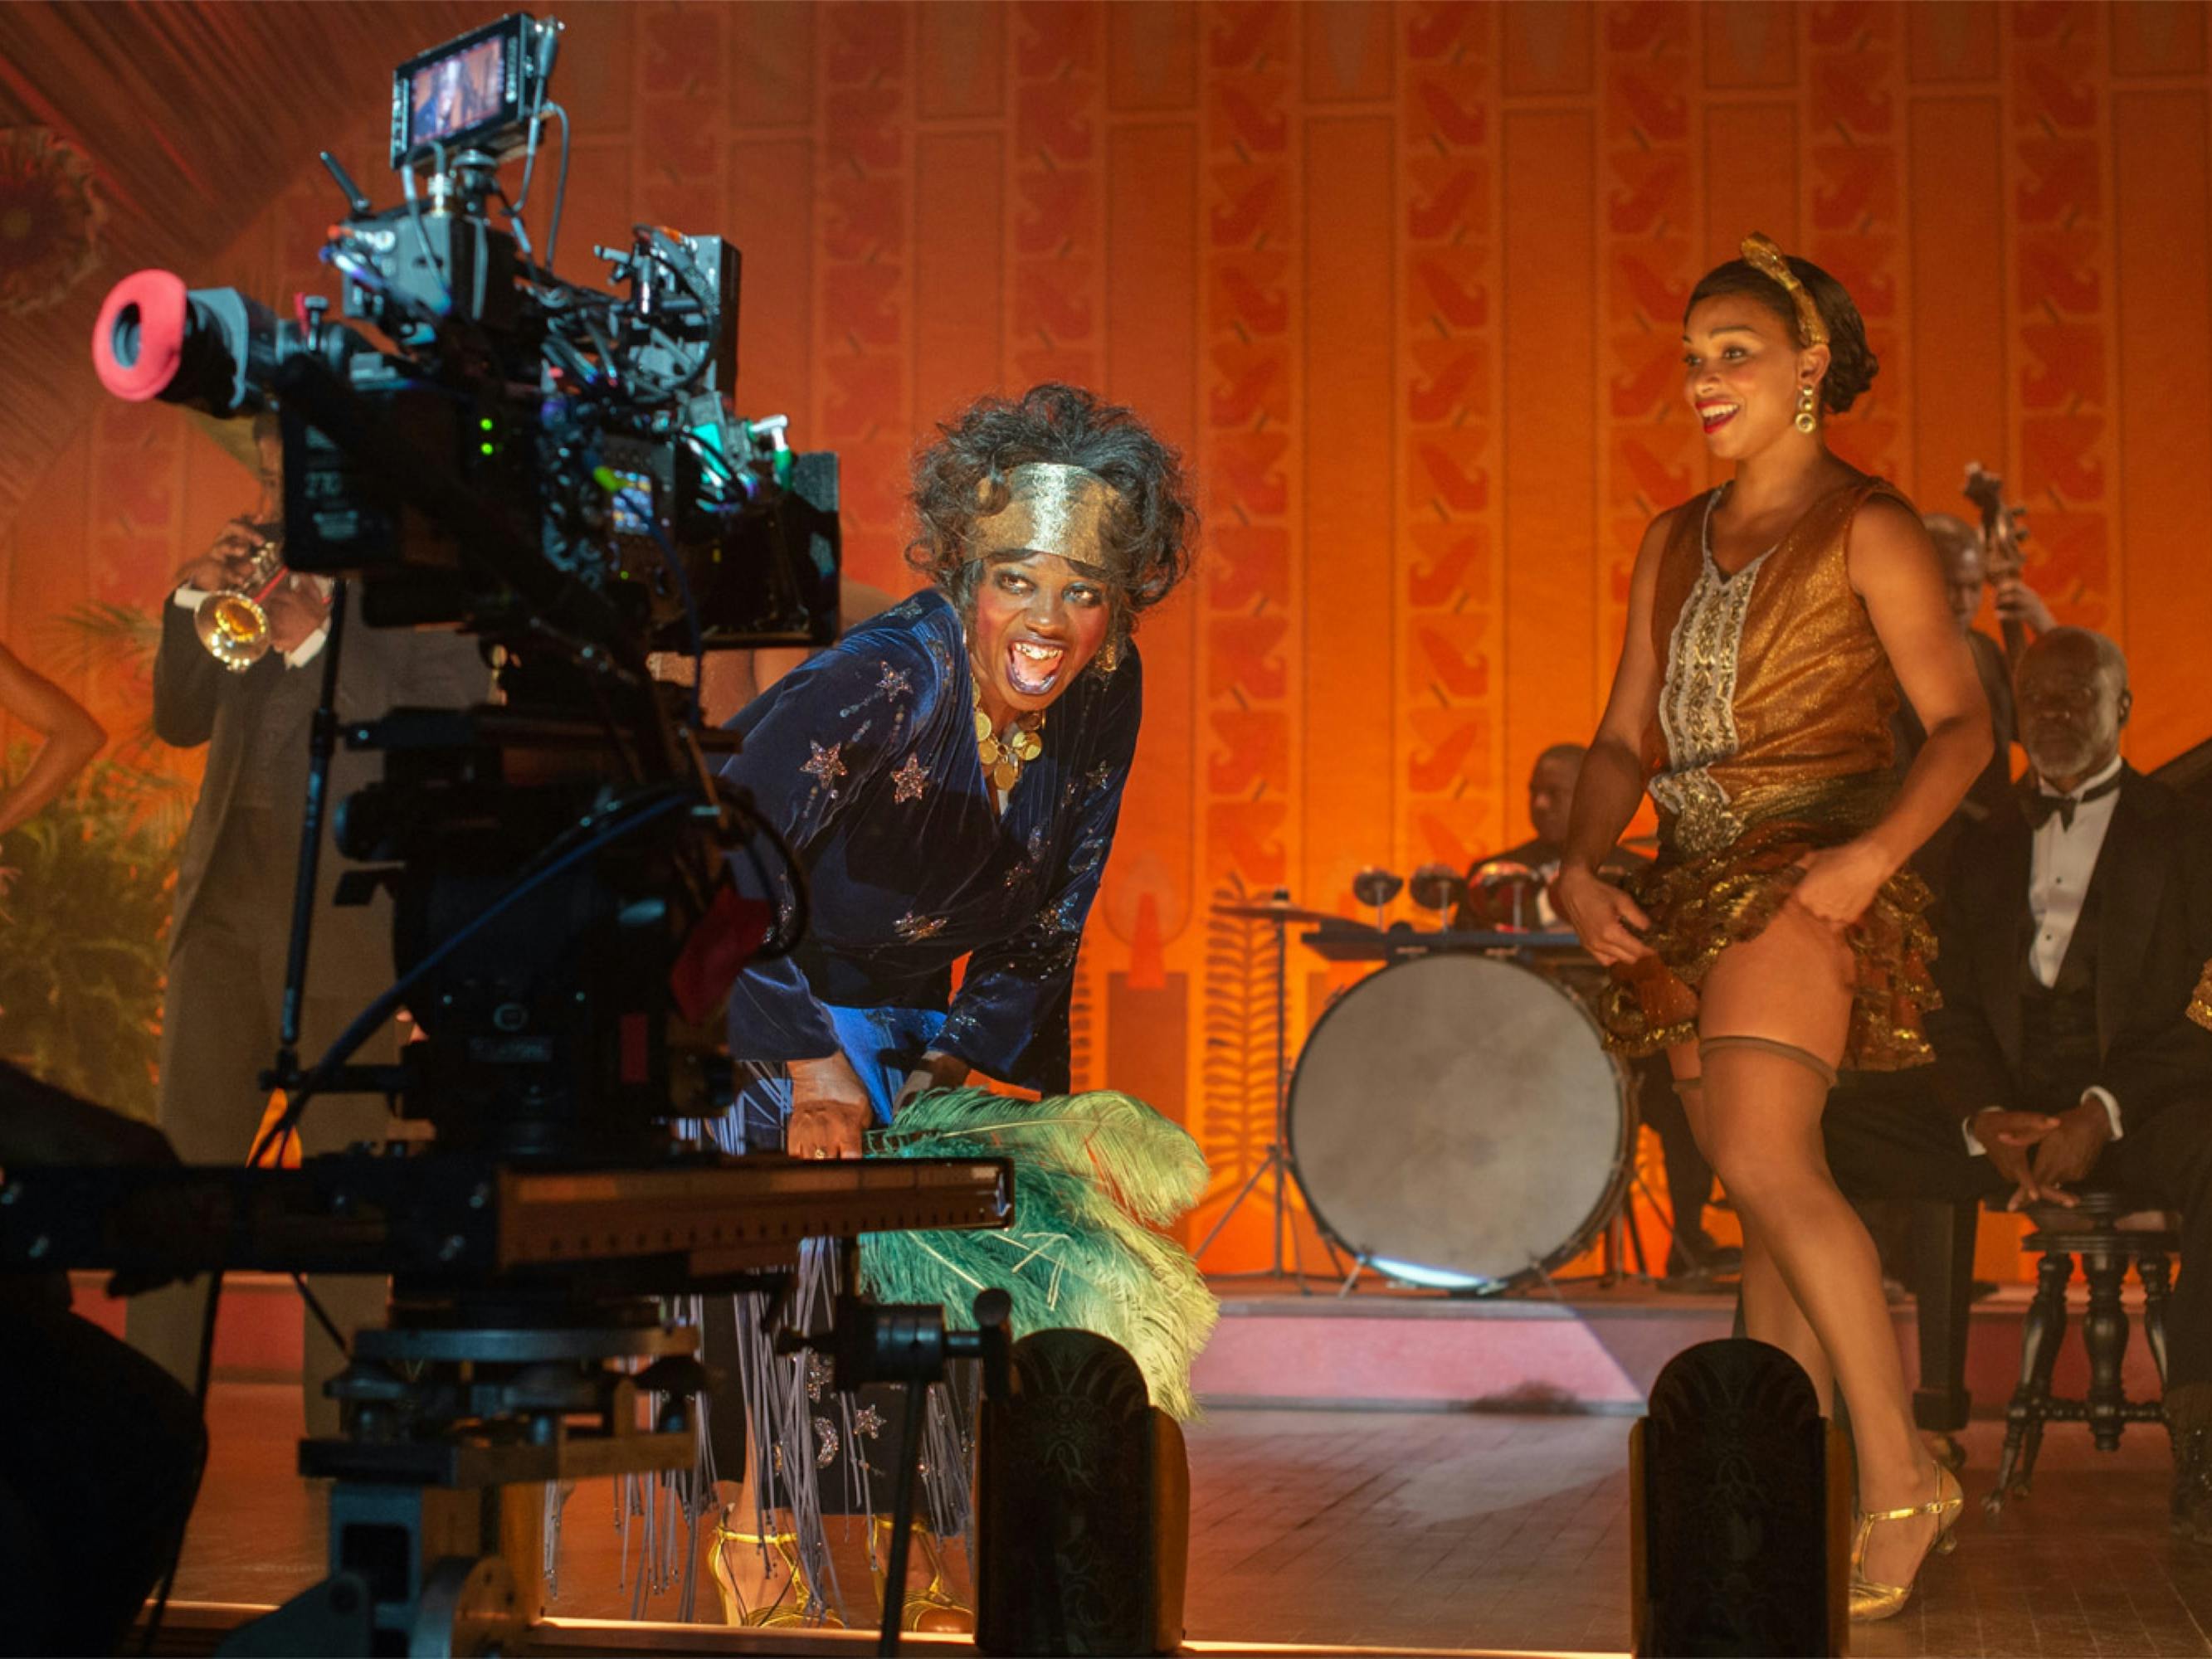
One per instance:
(231,622)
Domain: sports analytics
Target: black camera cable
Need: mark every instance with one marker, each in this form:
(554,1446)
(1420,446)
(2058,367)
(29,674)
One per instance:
(560,187)
(366,1024)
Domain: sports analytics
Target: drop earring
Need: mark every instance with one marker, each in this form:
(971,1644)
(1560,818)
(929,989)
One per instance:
(1808,405)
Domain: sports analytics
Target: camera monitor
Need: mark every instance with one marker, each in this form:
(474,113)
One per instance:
(477,92)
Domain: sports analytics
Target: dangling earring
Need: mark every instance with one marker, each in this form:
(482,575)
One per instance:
(1809,406)
(1109,656)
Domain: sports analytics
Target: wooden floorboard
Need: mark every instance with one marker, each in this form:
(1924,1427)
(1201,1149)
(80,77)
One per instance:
(1413,1530)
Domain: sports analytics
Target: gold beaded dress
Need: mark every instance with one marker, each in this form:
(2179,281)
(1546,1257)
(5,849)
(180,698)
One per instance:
(2200,1006)
(1771,740)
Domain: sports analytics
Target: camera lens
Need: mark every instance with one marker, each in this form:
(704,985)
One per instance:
(123,338)
(139,341)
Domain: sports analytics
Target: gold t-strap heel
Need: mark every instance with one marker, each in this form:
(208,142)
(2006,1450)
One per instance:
(793,1604)
(1870,1601)
(932,1607)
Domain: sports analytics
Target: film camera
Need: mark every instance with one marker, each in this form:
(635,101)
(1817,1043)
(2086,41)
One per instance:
(477,443)
(554,469)
(536,458)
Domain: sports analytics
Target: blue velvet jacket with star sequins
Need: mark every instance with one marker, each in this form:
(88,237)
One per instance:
(864,759)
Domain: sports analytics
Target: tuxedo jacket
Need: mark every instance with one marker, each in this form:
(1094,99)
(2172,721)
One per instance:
(261,722)
(2150,908)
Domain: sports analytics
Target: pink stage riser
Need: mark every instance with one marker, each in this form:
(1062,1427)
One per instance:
(1599,1353)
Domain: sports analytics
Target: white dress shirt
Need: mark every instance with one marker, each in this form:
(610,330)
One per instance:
(2060,866)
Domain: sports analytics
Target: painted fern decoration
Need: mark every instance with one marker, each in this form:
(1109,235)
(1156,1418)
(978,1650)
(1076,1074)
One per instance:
(1238,1072)
(1090,1171)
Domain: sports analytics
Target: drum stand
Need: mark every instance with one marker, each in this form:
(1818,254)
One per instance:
(1622,1240)
(1277,1161)
(1618,1239)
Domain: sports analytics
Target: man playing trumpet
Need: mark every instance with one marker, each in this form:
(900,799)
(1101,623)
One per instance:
(252,707)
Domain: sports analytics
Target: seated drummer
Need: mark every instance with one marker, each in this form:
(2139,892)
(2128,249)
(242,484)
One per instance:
(1693,1256)
(1551,798)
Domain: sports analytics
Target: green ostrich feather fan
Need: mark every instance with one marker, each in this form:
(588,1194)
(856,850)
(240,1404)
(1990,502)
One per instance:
(1090,1171)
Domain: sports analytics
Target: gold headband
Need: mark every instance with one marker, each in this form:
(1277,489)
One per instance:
(1051,508)
(1760,253)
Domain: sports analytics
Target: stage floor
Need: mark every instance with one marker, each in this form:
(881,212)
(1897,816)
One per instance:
(1413,1530)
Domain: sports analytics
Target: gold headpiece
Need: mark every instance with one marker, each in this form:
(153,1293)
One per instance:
(1760,253)
(1051,508)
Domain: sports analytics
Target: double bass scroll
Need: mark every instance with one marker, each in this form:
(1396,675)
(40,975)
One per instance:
(2003,537)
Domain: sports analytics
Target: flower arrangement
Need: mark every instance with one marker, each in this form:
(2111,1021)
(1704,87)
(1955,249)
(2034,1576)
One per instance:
(50,219)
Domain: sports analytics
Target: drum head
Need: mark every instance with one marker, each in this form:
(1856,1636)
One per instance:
(1456,1121)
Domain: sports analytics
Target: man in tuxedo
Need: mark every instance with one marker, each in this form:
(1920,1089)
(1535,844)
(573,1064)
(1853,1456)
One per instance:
(230,927)
(2071,932)
(1692,1256)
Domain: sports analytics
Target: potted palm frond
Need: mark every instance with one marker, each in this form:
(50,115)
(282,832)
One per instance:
(84,916)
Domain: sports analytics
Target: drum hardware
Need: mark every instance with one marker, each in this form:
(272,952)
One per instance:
(1437,887)
(1281,913)
(1455,1123)
(1375,887)
(1517,882)
(1271,911)
(1340,939)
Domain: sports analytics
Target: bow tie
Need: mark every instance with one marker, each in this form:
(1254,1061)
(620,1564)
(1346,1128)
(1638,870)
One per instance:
(2040,807)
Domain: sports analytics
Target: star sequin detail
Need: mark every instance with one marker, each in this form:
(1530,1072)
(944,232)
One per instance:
(913,928)
(894,681)
(825,765)
(908,781)
(868,1421)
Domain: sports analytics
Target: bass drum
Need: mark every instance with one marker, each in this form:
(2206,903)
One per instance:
(1455,1121)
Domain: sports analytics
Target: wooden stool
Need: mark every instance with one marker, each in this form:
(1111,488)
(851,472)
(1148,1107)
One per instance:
(2092,1231)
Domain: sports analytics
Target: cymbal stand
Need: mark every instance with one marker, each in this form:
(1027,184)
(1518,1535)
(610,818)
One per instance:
(1276,1163)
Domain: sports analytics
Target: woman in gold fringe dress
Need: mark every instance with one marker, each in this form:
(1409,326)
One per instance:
(1779,935)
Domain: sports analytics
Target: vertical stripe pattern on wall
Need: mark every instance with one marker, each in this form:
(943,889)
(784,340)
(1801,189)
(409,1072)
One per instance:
(1404,284)
(1449,732)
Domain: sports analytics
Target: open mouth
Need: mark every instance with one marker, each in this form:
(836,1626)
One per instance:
(1717,416)
(1033,667)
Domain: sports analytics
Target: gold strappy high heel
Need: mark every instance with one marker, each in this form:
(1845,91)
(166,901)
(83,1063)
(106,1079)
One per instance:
(798,1609)
(933,1606)
(1871,1601)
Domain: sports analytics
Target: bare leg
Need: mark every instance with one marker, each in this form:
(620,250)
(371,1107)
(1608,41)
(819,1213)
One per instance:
(1762,1120)
(1770,1313)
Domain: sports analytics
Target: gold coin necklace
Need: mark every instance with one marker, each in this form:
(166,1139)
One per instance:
(1004,757)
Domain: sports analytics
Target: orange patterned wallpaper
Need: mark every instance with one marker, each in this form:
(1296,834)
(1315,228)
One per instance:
(1404,281)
